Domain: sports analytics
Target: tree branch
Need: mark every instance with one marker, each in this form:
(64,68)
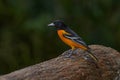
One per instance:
(79,67)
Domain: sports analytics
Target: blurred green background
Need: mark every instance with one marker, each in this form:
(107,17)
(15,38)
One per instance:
(25,38)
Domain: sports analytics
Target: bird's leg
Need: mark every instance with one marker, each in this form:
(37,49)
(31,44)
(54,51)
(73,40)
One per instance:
(75,51)
(71,52)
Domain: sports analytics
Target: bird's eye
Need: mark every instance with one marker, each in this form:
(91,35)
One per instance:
(59,24)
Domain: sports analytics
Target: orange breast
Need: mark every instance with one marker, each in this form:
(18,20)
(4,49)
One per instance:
(65,40)
(68,41)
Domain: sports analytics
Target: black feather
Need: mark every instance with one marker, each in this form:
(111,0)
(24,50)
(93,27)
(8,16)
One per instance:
(74,37)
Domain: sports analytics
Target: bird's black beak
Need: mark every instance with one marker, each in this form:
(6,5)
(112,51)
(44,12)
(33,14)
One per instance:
(51,24)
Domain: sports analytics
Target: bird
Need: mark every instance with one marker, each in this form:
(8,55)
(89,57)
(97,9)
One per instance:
(71,38)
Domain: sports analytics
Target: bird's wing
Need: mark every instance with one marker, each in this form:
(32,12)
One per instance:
(74,37)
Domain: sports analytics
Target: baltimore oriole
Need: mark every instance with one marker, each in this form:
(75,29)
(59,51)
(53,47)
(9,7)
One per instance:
(69,37)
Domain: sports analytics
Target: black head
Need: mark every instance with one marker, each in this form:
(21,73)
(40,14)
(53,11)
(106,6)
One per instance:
(58,24)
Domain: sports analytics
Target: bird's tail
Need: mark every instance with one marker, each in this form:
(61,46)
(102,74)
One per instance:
(92,55)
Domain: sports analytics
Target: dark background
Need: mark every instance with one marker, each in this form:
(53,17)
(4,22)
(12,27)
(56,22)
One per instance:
(25,38)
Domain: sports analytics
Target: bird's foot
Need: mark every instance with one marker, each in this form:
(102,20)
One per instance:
(71,52)
(69,55)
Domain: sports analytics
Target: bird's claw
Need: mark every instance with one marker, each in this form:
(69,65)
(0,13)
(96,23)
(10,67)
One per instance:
(71,52)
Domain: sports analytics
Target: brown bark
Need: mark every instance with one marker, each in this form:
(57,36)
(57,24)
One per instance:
(79,67)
